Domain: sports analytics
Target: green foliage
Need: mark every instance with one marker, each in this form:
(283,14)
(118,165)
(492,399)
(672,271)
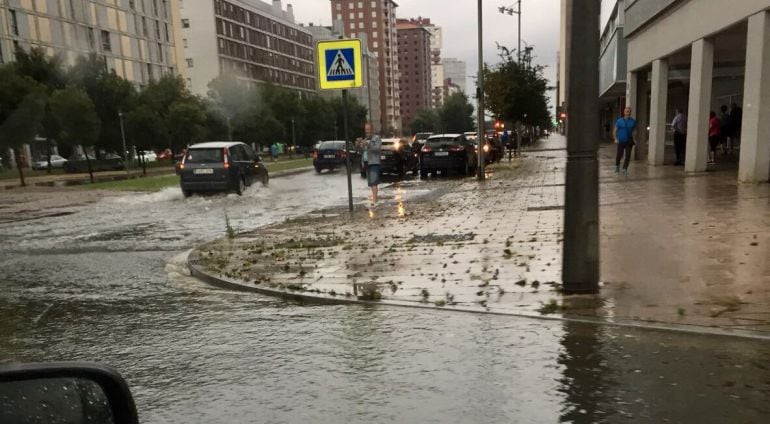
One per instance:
(22,106)
(76,116)
(427,120)
(512,90)
(456,115)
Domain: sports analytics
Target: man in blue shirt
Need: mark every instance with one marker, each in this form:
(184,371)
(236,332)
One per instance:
(624,134)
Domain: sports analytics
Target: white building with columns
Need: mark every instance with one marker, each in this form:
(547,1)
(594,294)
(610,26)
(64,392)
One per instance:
(698,55)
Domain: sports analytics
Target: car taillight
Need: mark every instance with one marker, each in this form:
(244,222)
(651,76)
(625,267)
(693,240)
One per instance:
(426,149)
(456,148)
(226,159)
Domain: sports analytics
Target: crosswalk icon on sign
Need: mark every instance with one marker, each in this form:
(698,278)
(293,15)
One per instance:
(340,65)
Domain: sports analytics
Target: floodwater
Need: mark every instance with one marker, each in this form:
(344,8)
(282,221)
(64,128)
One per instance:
(107,283)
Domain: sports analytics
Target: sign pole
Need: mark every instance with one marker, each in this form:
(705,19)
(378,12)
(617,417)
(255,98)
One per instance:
(347,148)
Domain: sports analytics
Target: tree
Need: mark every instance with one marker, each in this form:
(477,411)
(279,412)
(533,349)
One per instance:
(22,106)
(77,118)
(427,120)
(49,72)
(456,115)
(110,95)
(357,116)
(513,90)
(318,121)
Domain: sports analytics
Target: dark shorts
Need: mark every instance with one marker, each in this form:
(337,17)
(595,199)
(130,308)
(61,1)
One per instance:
(714,142)
(374,172)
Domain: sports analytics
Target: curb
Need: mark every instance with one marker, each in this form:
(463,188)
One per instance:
(220,281)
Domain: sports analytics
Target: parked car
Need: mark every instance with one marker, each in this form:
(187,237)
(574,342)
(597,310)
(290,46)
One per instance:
(56,162)
(220,166)
(149,156)
(78,163)
(331,155)
(447,152)
(398,157)
(493,150)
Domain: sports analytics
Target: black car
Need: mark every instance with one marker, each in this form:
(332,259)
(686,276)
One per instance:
(398,157)
(220,166)
(78,163)
(447,152)
(331,155)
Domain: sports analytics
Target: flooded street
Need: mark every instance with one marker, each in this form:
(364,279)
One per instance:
(106,282)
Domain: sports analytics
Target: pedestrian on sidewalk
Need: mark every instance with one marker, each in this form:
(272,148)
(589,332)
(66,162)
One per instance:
(725,129)
(624,135)
(714,125)
(373,146)
(680,136)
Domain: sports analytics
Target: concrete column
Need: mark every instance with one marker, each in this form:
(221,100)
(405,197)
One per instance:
(755,143)
(632,89)
(659,101)
(701,75)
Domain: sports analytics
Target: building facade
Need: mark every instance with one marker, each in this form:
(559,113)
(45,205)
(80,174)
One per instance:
(369,94)
(252,40)
(414,65)
(376,19)
(612,66)
(698,55)
(436,67)
(454,73)
(138,39)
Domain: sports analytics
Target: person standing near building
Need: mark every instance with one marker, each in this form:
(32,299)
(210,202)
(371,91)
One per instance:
(624,135)
(736,118)
(725,128)
(714,135)
(680,136)
(373,146)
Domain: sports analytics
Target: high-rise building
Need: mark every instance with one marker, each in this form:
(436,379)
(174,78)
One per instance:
(455,72)
(369,94)
(249,39)
(138,39)
(436,67)
(414,66)
(376,19)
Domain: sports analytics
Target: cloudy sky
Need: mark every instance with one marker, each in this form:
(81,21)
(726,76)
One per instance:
(540,26)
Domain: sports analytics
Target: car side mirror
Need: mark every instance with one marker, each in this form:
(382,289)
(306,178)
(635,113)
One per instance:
(259,158)
(64,392)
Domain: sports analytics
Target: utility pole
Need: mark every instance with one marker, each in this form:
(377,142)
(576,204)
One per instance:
(580,263)
(480,136)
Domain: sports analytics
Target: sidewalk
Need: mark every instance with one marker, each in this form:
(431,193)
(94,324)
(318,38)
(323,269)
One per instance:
(676,249)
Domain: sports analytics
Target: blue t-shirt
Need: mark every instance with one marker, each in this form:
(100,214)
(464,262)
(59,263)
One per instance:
(625,127)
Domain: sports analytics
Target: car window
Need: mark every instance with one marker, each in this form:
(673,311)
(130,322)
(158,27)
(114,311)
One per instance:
(443,141)
(332,145)
(204,155)
(237,153)
(250,153)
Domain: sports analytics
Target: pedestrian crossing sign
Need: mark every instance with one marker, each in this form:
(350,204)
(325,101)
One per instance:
(339,64)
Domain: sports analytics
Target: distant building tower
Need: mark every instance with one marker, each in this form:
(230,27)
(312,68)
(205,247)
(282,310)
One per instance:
(414,65)
(376,19)
(252,40)
(454,70)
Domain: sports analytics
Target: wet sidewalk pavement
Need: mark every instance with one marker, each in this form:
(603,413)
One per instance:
(677,249)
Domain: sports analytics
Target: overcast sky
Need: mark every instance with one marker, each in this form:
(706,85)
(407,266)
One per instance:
(458,18)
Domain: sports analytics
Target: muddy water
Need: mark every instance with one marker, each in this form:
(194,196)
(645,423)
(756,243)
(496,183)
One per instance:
(107,284)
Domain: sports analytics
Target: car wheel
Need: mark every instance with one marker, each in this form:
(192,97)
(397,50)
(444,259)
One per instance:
(265,179)
(318,169)
(241,187)
(187,193)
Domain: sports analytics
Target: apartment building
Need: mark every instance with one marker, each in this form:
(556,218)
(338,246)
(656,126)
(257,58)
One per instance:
(414,66)
(138,39)
(252,40)
(376,19)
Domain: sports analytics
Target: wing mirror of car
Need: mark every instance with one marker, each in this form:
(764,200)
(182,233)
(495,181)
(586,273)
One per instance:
(259,158)
(64,393)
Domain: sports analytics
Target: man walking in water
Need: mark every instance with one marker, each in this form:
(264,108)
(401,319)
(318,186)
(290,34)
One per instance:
(373,145)
(624,134)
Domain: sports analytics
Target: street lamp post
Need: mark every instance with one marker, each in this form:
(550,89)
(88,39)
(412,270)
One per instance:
(510,10)
(480,136)
(123,135)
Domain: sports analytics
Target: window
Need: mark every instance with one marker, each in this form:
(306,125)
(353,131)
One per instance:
(339,16)
(360,5)
(185,23)
(184,42)
(360,25)
(157,30)
(189,62)
(352,25)
(374,24)
(165,26)
(338,6)
(155,7)
(375,44)
(106,45)
(14,23)
(144,26)
(149,71)
(160,53)
(350,5)
(132,4)
(91,41)
(374,14)
(360,15)
(375,34)
(352,15)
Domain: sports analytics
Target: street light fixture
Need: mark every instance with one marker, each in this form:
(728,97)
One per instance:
(511,11)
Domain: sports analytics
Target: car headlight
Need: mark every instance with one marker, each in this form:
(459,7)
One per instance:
(486,147)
